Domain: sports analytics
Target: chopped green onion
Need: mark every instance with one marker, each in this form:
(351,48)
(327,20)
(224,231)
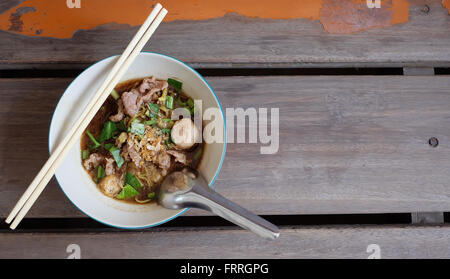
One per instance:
(166,119)
(115,152)
(130,179)
(107,132)
(114,94)
(166,131)
(169,102)
(151,195)
(150,114)
(151,122)
(153,107)
(96,143)
(85,154)
(100,172)
(175,83)
(127,192)
(137,127)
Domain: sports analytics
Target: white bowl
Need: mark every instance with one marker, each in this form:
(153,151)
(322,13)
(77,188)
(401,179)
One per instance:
(73,179)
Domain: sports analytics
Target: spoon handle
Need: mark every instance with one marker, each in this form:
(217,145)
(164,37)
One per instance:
(208,199)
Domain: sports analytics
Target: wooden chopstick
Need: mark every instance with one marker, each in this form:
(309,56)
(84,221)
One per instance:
(119,69)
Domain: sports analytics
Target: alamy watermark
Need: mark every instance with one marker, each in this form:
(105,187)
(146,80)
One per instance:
(373,4)
(374,250)
(74,251)
(71,4)
(261,128)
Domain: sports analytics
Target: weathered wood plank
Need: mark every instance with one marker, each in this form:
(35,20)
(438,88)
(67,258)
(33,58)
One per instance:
(347,144)
(236,41)
(306,242)
(6,5)
(27,106)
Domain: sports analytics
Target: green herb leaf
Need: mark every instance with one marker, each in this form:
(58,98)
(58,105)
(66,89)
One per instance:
(166,131)
(137,127)
(169,102)
(151,122)
(115,152)
(84,154)
(130,179)
(127,192)
(153,107)
(175,83)
(114,94)
(96,143)
(100,172)
(151,195)
(107,132)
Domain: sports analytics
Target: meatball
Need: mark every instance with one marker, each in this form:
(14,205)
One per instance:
(111,185)
(185,134)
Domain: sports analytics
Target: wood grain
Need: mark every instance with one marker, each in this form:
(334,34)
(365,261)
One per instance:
(6,5)
(304,242)
(347,144)
(236,41)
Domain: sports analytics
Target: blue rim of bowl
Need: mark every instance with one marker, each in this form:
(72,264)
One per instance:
(215,176)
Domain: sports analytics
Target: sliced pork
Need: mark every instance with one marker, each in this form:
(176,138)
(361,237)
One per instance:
(163,160)
(179,156)
(131,102)
(151,85)
(134,155)
(94,160)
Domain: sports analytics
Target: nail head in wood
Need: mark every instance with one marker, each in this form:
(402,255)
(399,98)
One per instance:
(433,142)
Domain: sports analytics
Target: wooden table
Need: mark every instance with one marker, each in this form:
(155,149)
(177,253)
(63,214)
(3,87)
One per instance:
(355,166)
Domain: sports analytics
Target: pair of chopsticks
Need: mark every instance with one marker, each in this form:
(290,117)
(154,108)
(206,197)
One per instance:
(48,170)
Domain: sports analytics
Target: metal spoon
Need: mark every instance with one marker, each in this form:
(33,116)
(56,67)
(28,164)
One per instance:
(183,189)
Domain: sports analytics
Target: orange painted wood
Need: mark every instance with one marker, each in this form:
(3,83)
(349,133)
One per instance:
(236,41)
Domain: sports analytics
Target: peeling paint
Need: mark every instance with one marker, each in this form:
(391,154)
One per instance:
(15,18)
(343,17)
(52,18)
